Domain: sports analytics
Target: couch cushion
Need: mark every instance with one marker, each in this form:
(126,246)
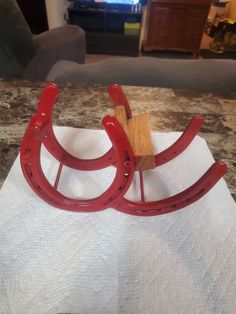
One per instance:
(16,43)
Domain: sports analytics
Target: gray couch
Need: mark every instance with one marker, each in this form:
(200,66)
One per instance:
(41,57)
(26,56)
(212,75)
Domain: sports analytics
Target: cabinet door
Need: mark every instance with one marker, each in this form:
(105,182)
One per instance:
(157,26)
(195,27)
(175,27)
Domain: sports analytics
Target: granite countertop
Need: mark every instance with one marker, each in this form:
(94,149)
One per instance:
(85,106)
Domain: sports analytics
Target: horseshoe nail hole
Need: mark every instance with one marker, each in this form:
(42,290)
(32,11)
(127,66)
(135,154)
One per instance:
(127,163)
(29,172)
(141,211)
(200,192)
(38,188)
(27,153)
(154,211)
(173,206)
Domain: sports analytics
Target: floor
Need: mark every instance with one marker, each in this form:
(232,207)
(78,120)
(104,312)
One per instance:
(90,58)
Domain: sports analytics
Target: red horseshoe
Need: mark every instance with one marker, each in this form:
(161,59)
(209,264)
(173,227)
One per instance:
(31,167)
(45,107)
(178,201)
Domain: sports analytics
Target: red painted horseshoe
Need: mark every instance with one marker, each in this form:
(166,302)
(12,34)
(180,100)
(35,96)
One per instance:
(45,107)
(31,167)
(178,201)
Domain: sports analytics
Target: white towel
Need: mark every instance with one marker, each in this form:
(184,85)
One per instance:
(55,261)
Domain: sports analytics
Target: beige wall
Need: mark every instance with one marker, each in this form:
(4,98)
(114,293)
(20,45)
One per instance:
(143,27)
(55,12)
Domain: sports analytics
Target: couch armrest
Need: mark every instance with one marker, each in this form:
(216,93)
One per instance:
(66,42)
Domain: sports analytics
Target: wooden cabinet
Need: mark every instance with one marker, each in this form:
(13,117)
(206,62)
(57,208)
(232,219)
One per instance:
(175,24)
(105,29)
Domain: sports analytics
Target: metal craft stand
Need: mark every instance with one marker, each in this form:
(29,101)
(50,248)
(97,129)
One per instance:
(121,156)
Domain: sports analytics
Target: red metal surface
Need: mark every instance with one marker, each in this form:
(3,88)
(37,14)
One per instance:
(178,201)
(119,99)
(45,107)
(59,171)
(141,186)
(40,131)
(31,167)
(182,142)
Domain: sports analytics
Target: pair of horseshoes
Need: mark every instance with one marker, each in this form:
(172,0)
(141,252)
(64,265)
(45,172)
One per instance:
(40,131)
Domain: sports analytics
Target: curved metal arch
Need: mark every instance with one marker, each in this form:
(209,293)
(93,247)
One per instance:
(40,131)
(31,166)
(118,98)
(45,107)
(178,201)
(181,143)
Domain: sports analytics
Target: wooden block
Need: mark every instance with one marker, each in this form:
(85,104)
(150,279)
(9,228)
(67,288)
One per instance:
(138,132)
(140,138)
(121,117)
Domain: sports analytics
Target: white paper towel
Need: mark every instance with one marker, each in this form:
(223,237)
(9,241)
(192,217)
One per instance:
(53,261)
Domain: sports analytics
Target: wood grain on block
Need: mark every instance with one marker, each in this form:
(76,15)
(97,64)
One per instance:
(121,117)
(139,133)
(141,142)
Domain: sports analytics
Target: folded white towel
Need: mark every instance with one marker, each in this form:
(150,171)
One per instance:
(54,261)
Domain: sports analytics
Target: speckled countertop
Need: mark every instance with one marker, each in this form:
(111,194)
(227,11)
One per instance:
(85,106)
